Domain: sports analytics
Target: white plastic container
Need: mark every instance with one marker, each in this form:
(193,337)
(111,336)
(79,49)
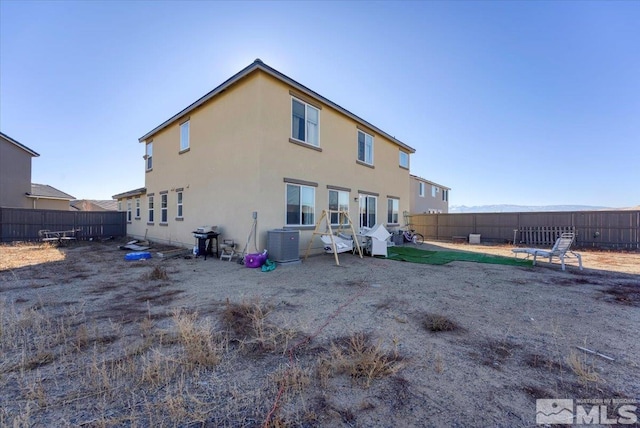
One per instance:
(474,238)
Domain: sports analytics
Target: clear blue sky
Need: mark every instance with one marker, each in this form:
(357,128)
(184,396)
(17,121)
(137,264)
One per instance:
(530,103)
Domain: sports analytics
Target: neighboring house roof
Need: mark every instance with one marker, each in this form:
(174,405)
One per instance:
(415,177)
(259,65)
(94,205)
(130,193)
(44,191)
(21,146)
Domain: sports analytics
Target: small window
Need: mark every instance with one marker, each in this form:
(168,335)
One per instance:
(445,195)
(404,159)
(184,136)
(393,206)
(365,148)
(150,206)
(128,209)
(368,210)
(434,190)
(338,201)
(163,208)
(137,207)
(421,189)
(305,122)
(149,155)
(301,205)
(119,205)
(179,211)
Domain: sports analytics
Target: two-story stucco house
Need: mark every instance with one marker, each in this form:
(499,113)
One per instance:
(16,189)
(262,142)
(428,197)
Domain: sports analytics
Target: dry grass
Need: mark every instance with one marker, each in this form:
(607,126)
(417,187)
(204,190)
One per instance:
(19,255)
(437,323)
(157,273)
(578,364)
(360,358)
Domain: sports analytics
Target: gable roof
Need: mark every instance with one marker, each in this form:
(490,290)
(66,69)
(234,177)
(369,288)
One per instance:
(95,205)
(44,191)
(259,65)
(415,177)
(19,145)
(130,193)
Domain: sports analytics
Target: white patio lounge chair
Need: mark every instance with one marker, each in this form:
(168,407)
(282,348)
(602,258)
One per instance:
(560,250)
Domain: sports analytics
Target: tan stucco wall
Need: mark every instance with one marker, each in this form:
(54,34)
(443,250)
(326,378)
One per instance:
(240,154)
(49,204)
(427,203)
(15,176)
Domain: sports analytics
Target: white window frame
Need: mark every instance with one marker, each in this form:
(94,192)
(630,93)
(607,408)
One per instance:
(119,205)
(307,120)
(434,191)
(185,131)
(403,161)
(393,209)
(301,211)
(367,151)
(343,205)
(179,205)
(148,156)
(445,195)
(129,210)
(150,209)
(363,210)
(137,207)
(164,208)
(421,189)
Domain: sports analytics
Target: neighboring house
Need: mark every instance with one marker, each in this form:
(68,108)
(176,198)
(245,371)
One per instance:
(94,205)
(428,197)
(45,197)
(262,142)
(15,173)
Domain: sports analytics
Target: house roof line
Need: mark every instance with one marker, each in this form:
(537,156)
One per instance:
(45,191)
(259,65)
(135,192)
(429,181)
(19,145)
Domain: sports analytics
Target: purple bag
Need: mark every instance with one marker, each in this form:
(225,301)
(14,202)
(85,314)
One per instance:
(255,260)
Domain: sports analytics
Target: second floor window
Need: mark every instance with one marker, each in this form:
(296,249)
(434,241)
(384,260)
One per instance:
(404,159)
(184,136)
(365,148)
(137,207)
(163,208)
(128,209)
(304,122)
(445,195)
(149,155)
(434,191)
(421,189)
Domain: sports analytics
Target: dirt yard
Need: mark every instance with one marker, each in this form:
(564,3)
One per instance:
(89,339)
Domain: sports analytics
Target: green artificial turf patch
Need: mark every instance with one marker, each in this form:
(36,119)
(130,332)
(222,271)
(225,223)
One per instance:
(415,255)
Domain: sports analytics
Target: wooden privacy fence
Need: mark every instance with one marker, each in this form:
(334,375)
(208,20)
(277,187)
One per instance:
(597,229)
(18,224)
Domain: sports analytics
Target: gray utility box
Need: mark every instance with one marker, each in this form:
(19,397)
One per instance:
(283,245)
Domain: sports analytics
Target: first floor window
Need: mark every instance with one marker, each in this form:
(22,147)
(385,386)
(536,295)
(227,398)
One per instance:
(301,205)
(150,205)
(137,207)
(368,211)
(365,148)
(338,201)
(128,209)
(163,208)
(179,194)
(392,210)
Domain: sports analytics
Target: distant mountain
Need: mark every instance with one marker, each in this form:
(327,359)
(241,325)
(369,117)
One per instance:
(522,208)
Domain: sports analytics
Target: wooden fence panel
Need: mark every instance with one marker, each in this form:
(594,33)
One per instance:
(17,224)
(598,229)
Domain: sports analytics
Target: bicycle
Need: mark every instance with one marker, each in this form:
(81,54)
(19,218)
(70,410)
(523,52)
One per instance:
(411,235)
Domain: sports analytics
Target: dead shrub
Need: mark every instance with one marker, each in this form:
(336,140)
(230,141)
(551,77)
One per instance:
(158,273)
(361,359)
(437,323)
(200,345)
(580,368)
